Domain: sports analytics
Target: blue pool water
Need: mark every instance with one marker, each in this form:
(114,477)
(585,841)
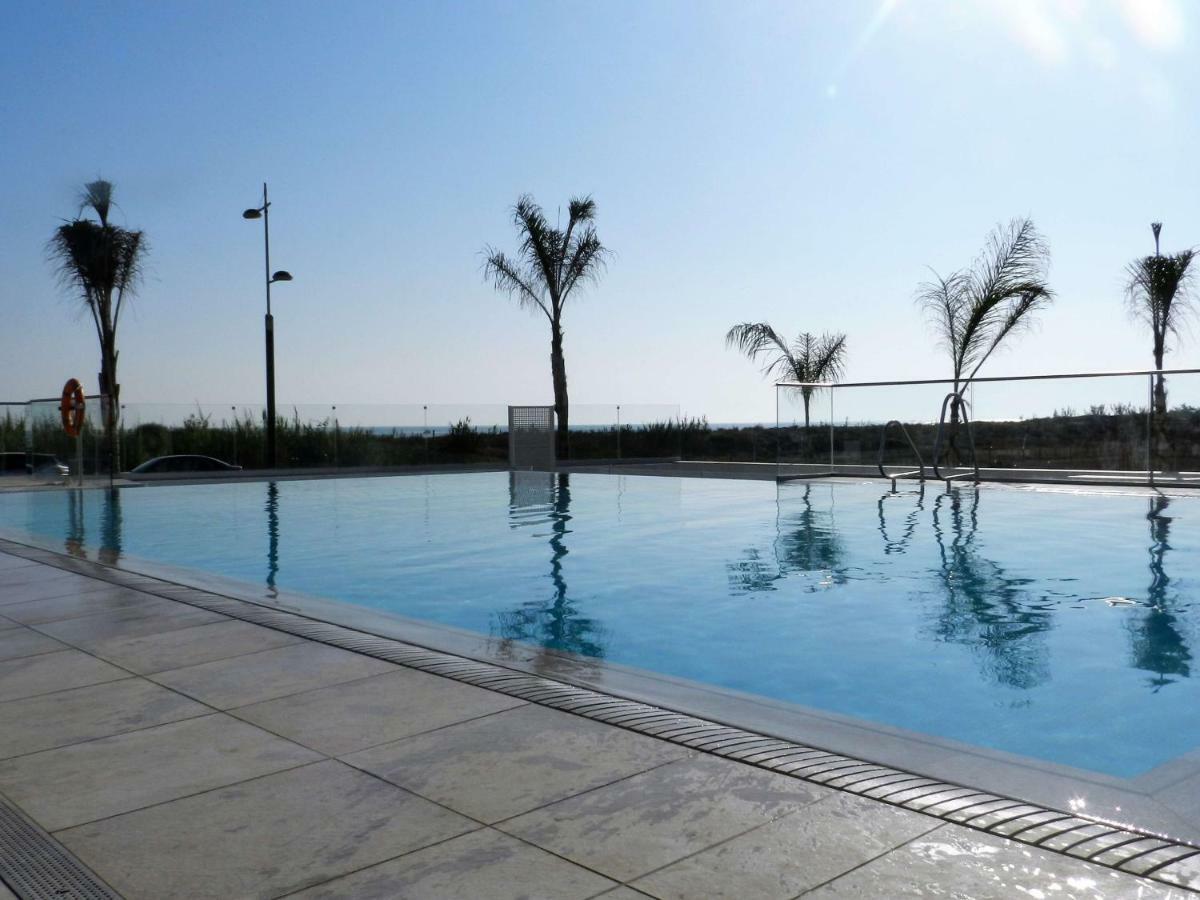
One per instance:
(977,615)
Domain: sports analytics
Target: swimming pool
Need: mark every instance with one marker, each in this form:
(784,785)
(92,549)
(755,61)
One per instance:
(1050,624)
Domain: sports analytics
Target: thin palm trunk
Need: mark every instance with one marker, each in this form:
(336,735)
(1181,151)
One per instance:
(558,373)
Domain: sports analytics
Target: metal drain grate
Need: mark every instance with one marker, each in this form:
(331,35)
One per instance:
(1116,846)
(35,866)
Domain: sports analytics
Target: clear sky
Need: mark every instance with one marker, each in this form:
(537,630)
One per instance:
(798,162)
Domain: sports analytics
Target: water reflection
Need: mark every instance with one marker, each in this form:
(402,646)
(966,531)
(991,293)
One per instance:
(272,510)
(537,499)
(75,540)
(983,607)
(806,541)
(111,524)
(1157,644)
(898,543)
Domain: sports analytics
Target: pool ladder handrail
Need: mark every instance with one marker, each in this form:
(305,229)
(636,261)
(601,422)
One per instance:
(919,471)
(961,402)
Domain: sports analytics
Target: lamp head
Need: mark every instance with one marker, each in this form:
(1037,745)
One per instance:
(252,214)
(281,275)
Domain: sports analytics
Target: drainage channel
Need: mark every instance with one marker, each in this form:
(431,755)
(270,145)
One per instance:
(1116,846)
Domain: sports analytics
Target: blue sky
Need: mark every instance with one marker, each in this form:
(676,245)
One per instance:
(799,162)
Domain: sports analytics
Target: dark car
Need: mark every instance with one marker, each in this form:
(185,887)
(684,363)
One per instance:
(39,464)
(183,463)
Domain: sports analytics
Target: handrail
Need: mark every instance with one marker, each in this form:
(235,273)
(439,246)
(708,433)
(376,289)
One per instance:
(920,473)
(961,403)
(993,378)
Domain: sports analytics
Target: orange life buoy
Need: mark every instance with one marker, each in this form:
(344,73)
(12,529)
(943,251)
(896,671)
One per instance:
(72,407)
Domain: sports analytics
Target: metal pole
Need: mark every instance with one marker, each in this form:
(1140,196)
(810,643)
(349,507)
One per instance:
(1150,431)
(618,431)
(269,326)
(831,431)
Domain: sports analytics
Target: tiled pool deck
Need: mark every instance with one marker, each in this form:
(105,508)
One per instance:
(179,752)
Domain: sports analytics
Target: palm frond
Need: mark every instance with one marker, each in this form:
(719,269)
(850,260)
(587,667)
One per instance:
(507,275)
(539,241)
(585,262)
(755,339)
(976,309)
(550,262)
(97,195)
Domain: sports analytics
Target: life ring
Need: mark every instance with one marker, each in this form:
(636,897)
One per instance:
(72,407)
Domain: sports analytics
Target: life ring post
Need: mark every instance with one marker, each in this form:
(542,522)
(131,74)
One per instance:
(72,410)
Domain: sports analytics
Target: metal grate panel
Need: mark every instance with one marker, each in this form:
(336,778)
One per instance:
(35,866)
(531,437)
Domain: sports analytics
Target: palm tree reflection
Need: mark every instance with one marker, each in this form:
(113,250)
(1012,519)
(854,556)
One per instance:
(985,608)
(111,524)
(806,541)
(75,538)
(554,622)
(1157,644)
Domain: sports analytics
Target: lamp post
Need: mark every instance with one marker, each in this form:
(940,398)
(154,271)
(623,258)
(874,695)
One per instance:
(262,212)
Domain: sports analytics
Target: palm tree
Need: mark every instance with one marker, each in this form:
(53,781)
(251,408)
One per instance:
(102,263)
(974,310)
(809,358)
(1158,292)
(548,267)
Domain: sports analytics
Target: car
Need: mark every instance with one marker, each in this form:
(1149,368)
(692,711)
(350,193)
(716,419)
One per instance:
(41,465)
(183,462)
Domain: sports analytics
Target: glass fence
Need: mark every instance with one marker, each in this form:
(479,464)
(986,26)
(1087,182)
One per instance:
(320,435)
(1139,426)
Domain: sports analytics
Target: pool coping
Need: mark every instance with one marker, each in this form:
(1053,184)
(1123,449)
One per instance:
(1120,847)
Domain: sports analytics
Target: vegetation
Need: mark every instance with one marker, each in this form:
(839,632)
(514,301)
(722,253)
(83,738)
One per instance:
(549,266)
(1158,293)
(102,263)
(808,358)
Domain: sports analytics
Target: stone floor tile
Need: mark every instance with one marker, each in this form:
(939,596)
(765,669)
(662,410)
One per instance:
(958,862)
(17,642)
(272,673)
(262,838)
(515,761)
(622,893)
(790,855)
(89,631)
(190,646)
(1186,872)
(45,587)
(88,603)
(634,826)
(84,782)
(484,863)
(29,676)
(87,713)
(346,717)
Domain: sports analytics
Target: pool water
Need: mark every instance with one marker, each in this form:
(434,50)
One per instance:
(1052,624)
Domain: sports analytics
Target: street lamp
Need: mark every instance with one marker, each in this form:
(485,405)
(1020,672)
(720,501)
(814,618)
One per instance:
(262,212)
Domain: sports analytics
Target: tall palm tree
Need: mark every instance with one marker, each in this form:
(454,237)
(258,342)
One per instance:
(549,265)
(1158,291)
(102,263)
(808,358)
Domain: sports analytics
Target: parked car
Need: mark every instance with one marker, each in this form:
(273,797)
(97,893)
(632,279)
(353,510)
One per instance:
(183,463)
(42,465)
